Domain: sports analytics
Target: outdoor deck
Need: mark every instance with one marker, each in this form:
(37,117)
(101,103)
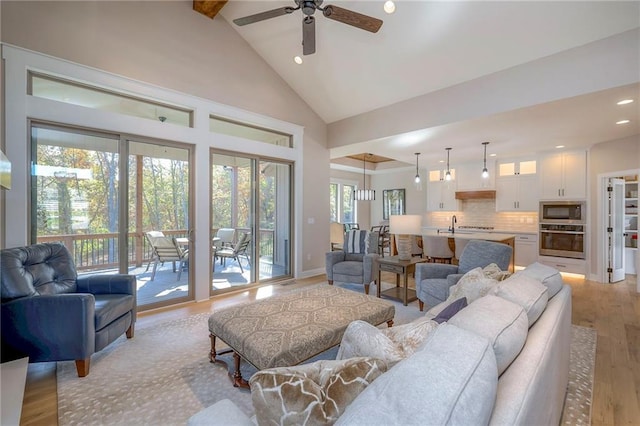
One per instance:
(166,286)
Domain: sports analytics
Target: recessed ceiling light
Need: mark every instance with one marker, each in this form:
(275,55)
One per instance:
(625,101)
(623,122)
(297,60)
(389,6)
(559,146)
(492,155)
(441,161)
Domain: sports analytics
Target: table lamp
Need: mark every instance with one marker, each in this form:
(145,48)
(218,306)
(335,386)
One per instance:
(404,227)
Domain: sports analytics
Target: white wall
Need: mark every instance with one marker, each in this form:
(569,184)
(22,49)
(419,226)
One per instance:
(416,201)
(170,45)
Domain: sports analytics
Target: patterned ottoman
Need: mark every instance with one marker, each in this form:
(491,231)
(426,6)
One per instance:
(290,328)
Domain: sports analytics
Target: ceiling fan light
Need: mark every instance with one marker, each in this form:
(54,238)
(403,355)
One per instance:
(297,60)
(389,6)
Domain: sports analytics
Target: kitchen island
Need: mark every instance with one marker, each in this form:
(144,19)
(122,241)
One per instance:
(509,239)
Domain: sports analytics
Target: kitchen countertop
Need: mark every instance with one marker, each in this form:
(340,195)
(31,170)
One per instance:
(471,235)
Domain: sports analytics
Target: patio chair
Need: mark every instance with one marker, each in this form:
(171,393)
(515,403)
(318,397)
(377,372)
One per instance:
(226,237)
(165,249)
(240,249)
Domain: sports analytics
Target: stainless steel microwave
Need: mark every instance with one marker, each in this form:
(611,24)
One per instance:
(567,212)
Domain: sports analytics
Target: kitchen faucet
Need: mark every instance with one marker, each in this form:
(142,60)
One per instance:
(454,220)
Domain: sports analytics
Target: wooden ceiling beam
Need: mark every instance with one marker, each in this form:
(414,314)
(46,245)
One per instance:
(209,8)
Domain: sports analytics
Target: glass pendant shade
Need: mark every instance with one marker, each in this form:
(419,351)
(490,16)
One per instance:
(447,175)
(485,171)
(417,181)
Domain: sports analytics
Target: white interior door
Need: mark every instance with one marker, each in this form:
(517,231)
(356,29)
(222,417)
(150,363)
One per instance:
(615,230)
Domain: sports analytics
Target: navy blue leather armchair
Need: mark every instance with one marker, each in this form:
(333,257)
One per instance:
(48,313)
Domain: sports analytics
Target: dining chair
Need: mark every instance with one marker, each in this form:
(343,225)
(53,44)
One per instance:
(437,249)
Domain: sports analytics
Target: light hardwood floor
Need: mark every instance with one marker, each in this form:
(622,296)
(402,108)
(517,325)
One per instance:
(612,309)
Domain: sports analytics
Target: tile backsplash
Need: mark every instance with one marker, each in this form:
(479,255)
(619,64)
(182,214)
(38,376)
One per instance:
(483,213)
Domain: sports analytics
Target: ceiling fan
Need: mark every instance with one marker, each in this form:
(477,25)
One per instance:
(309,7)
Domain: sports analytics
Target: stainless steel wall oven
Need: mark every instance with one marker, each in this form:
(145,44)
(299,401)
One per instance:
(562,229)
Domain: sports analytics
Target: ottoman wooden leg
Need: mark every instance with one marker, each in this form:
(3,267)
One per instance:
(237,379)
(212,353)
(390,323)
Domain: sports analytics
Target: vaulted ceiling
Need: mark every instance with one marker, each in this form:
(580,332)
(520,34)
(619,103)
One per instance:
(428,46)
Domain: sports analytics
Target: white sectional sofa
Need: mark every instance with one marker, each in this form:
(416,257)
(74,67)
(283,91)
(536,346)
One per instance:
(497,361)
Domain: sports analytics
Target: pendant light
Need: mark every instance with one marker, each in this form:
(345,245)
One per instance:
(417,181)
(485,171)
(364,194)
(447,175)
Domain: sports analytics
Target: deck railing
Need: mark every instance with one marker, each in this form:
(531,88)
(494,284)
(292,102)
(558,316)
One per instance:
(100,251)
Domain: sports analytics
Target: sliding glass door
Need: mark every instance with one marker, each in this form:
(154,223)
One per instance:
(159,222)
(110,213)
(250,220)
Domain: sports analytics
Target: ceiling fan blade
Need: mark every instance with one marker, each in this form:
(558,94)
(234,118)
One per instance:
(308,35)
(358,20)
(264,15)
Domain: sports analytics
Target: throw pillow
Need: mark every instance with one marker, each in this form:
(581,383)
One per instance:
(451,310)
(502,322)
(311,394)
(493,271)
(391,345)
(472,285)
(525,291)
(356,241)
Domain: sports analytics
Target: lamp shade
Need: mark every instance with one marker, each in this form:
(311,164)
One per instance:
(406,224)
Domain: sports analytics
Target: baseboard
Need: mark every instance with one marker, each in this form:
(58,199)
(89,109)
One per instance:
(311,273)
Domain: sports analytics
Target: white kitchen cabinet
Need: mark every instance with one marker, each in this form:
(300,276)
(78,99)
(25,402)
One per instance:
(564,264)
(563,175)
(517,193)
(526,250)
(520,166)
(441,193)
(441,196)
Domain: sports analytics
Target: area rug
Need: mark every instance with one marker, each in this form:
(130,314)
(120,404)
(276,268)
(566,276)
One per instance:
(163,376)
(582,361)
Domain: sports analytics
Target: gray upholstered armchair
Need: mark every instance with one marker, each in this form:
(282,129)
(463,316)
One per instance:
(433,280)
(51,314)
(355,263)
